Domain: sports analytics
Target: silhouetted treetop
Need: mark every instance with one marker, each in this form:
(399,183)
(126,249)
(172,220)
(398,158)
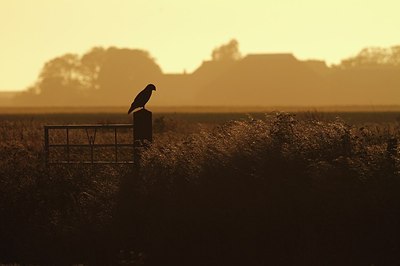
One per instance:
(374,56)
(71,78)
(65,67)
(225,52)
(91,65)
(60,77)
(123,68)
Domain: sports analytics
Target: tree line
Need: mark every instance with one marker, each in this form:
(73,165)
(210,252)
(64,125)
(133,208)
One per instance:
(90,79)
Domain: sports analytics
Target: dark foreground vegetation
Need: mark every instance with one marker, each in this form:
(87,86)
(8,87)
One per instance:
(271,191)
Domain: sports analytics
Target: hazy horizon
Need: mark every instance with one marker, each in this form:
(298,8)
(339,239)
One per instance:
(179,37)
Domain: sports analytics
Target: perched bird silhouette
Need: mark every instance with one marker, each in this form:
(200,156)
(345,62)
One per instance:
(142,98)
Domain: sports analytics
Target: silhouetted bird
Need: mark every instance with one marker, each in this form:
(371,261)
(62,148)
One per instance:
(142,98)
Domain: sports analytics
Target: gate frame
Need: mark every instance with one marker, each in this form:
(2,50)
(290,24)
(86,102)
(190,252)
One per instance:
(91,144)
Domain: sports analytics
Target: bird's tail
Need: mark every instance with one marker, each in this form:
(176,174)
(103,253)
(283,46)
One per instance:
(131,109)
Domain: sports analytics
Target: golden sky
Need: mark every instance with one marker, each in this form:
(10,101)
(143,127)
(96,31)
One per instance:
(180,34)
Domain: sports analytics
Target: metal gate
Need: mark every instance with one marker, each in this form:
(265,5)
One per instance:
(63,144)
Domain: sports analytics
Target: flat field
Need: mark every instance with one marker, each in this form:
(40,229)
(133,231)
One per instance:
(222,187)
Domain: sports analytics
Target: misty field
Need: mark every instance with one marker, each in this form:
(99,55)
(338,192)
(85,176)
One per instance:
(212,189)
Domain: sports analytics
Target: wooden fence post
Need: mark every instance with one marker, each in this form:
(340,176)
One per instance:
(142,132)
(46,145)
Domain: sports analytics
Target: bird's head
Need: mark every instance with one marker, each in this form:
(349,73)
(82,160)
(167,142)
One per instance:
(151,87)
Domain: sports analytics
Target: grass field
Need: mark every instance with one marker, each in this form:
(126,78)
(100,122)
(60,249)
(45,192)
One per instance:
(250,188)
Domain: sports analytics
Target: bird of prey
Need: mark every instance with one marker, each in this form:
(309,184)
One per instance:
(142,98)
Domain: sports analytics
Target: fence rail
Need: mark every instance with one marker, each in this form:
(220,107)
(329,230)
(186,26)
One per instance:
(107,126)
(91,145)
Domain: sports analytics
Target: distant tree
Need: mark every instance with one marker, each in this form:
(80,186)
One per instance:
(61,75)
(92,63)
(122,69)
(395,55)
(65,67)
(104,73)
(227,52)
(373,56)
(60,82)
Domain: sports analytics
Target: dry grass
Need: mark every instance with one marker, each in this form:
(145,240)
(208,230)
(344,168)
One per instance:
(275,190)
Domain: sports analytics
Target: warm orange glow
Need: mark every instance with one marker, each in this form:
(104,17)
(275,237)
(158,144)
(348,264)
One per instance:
(180,34)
